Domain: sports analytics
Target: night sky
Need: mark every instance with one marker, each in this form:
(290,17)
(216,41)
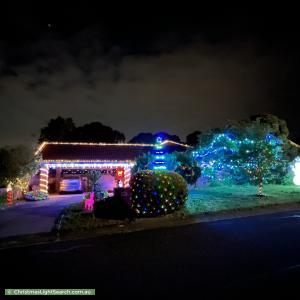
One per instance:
(144,70)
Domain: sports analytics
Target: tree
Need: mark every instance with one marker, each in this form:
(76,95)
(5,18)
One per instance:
(64,130)
(248,151)
(17,166)
(261,155)
(149,138)
(97,132)
(142,162)
(217,155)
(143,138)
(193,138)
(277,126)
(58,129)
(187,167)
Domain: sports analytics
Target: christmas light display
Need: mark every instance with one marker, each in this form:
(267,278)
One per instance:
(44,179)
(36,196)
(159,162)
(241,160)
(127,177)
(87,165)
(296,170)
(155,193)
(71,164)
(44,144)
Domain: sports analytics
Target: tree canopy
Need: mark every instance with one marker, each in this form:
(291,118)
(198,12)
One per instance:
(16,163)
(256,151)
(193,138)
(64,129)
(150,138)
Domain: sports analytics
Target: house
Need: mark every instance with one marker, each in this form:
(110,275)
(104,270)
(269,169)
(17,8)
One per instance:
(71,162)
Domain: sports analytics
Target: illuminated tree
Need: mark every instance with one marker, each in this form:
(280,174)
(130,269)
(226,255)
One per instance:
(17,166)
(217,157)
(247,152)
(262,156)
(187,167)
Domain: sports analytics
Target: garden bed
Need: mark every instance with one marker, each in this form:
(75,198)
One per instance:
(76,219)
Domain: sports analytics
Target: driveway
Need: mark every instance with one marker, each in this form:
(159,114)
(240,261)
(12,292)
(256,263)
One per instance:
(34,217)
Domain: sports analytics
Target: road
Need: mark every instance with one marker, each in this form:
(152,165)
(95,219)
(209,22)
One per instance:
(29,217)
(251,252)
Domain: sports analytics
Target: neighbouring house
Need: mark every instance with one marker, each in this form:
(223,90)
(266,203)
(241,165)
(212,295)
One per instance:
(67,163)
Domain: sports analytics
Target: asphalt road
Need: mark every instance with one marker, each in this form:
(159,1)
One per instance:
(252,252)
(29,217)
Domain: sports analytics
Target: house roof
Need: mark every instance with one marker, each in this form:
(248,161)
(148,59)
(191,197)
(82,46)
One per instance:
(64,151)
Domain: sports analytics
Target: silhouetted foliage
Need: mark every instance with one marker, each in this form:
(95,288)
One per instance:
(149,138)
(61,129)
(58,129)
(143,138)
(278,127)
(192,139)
(116,207)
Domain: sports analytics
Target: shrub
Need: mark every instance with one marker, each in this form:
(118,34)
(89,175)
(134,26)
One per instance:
(155,193)
(113,208)
(36,196)
(3,198)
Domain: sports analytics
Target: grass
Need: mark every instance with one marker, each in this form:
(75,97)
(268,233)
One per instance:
(226,198)
(210,199)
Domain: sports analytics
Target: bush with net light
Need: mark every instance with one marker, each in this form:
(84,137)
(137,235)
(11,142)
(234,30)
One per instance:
(155,193)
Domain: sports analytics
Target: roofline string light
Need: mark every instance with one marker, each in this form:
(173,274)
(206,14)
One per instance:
(42,146)
(85,165)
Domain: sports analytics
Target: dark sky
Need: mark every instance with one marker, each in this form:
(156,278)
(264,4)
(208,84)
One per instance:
(143,69)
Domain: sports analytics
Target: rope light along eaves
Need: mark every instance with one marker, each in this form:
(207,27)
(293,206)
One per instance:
(42,146)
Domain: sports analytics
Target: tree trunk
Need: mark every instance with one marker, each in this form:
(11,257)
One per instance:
(260,188)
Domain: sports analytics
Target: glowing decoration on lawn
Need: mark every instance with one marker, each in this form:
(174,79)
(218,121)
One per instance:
(296,170)
(89,203)
(159,162)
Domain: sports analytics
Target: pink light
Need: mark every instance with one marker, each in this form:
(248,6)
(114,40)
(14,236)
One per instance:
(89,203)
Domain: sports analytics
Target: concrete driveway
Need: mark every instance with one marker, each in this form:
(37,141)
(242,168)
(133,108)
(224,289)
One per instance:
(34,217)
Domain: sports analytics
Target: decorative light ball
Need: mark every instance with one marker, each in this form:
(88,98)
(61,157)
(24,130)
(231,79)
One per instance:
(154,198)
(296,170)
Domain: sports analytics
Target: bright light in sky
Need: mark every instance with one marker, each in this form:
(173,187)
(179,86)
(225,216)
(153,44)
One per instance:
(296,170)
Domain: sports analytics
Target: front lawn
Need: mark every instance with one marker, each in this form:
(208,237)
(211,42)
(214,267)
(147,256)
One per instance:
(210,199)
(222,198)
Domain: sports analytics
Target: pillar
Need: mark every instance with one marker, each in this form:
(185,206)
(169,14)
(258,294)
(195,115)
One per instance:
(127,176)
(57,179)
(43,184)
